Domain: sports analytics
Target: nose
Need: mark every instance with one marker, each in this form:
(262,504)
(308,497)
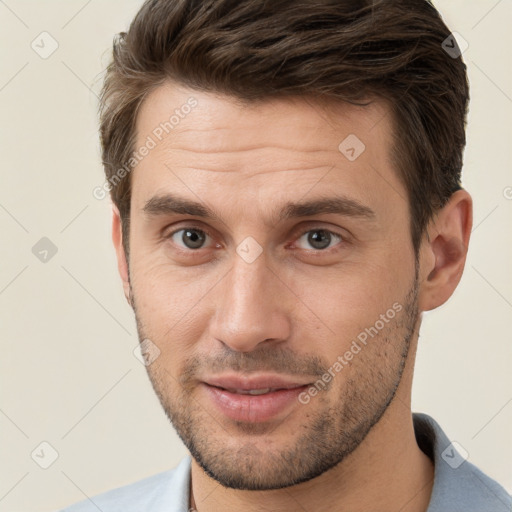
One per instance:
(251,307)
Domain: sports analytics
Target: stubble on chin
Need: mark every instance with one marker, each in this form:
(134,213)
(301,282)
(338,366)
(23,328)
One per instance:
(316,437)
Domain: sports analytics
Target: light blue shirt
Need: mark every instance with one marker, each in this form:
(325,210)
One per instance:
(459,486)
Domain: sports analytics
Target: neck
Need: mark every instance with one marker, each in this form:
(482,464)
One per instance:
(387,472)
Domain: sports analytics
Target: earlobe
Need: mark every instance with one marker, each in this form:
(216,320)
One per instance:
(444,250)
(122,264)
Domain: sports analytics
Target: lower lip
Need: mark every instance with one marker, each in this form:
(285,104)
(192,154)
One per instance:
(253,408)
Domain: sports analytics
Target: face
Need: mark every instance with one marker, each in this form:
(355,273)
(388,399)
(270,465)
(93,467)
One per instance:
(272,269)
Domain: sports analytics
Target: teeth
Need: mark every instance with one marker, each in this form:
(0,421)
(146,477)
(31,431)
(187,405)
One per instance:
(251,391)
(259,391)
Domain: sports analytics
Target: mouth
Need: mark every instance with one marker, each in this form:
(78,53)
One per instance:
(254,392)
(253,400)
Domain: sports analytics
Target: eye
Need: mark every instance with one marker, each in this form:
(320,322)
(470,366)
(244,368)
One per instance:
(320,239)
(193,239)
(189,238)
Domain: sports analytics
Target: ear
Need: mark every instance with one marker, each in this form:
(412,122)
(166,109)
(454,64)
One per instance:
(122,263)
(443,251)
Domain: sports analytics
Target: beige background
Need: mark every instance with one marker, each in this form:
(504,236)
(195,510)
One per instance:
(68,373)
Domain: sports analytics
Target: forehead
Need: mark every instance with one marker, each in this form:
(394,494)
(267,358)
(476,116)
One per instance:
(279,146)
(177,109)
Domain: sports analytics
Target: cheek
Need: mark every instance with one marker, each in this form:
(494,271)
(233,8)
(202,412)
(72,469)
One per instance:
(347,301)
(172,304)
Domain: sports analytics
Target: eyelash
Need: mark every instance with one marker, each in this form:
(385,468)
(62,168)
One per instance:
(342,238)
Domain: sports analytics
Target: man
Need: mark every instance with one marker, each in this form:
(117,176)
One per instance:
(287,202)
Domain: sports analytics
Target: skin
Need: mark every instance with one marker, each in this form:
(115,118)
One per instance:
(296,307)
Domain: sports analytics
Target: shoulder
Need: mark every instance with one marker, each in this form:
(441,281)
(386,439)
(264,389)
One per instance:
(458,484)
(168,490)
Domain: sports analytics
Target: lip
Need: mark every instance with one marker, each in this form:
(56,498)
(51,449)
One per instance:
(253,408)
(254,382)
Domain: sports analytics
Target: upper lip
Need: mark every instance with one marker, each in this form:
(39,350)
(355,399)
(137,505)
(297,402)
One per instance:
(254,382)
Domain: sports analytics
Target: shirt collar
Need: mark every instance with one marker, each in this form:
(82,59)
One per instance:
(458,484)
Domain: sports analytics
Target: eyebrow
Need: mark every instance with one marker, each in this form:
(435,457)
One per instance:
(170,204)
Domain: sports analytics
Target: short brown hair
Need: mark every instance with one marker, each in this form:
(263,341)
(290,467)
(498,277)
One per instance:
(340,50)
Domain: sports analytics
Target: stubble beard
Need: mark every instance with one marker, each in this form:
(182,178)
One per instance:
(243,456)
